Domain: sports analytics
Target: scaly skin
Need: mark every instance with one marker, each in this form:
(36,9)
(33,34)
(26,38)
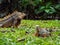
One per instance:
(13,21)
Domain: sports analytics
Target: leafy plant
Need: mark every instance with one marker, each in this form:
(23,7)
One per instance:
(47,8)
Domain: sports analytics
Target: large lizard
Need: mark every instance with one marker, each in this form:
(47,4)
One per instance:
(13,21)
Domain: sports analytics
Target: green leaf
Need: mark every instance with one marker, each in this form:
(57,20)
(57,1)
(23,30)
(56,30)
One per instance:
(40,9)
(51,10)
(57,6)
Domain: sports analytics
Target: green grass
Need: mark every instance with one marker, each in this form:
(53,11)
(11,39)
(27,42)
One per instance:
(10,38)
